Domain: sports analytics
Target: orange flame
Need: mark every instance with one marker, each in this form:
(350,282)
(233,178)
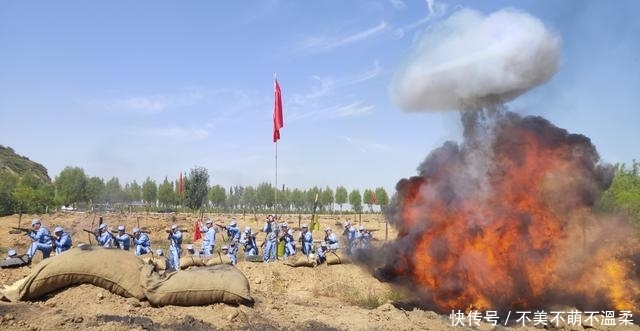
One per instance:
(504,222)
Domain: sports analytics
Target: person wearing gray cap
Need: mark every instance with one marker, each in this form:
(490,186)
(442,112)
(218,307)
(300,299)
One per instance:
(41,240)
(62,240)
(12,253)
(103,237)
(122,239)
(141,242)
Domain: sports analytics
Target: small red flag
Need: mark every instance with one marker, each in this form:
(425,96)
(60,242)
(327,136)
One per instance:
(278,121)
(373,198)
(197,235)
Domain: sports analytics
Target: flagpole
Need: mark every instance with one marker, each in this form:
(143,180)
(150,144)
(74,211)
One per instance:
(275,206)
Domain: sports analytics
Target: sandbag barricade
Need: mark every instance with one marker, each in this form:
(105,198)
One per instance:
(195,287)
(301,261)
(217,259)
(192,261)
(112,269)
(336,258)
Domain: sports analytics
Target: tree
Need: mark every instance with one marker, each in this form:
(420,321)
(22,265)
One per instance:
(218,196)
(71,186)
(341,196)
(624,193)
(32,195)
(8,182)
(297,199)
(249,199)
(196,187)
(326,198)
(310,198)
(368,198)
(166,195)
(95,190)
(135,191)
(113,191)
(355,199)
(382,198)
(149,192)
(265,195)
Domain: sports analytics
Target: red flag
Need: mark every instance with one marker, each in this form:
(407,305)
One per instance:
(180,184)
(197,235)
(278,121)
(373,198)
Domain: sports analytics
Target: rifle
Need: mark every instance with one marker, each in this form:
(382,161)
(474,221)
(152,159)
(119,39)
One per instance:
(26,231)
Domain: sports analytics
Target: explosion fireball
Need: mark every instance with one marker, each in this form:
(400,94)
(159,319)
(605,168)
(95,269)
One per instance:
(504,220)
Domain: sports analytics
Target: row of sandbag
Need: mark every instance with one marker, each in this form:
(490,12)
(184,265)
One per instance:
(123,273)
(331,258)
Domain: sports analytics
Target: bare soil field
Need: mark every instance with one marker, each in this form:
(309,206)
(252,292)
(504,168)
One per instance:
(327,297)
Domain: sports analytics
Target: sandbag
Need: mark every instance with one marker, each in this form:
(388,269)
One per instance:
(253,258)
(336,258)
(14,262)
(196,287)
(160,262)
(302,261)
(217,259)
(112,269)
(191,261)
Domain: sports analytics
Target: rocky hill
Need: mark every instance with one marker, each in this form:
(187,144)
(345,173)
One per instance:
(20,165)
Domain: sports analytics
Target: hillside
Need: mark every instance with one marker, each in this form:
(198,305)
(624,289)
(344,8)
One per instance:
(19,165)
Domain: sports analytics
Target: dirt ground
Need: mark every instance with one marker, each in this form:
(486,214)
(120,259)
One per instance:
(336,297)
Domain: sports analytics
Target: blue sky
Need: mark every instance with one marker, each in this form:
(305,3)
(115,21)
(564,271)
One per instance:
(151,88)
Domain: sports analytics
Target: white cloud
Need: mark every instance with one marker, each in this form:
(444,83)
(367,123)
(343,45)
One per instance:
(434,11)
(351,110)
(323,43)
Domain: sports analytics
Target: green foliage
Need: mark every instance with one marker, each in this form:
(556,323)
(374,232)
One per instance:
(149,192)
(196,186)
(218,196)
(382,197)
(95,190)
(166,195)
(326,198)
(20,165)
(71,186)
(133,191)
(265,195)
(113,191)
(368,198)
(8,182)
(341,196)
(355,199)
(297,199)
(32,195)
(624,193)
(310,198)
(249,198)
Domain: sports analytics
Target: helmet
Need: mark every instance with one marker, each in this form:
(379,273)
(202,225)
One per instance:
(361,228)
(323,244)
(135,230)
(120,227)
(284,225)
(189,246)
(247,229)
(304,226)
(58,229)
(12,253)
(159,252)
(174,226)
(327,229)
(225,247)
(209,221)
(233,223)
(35,221)
(102,226)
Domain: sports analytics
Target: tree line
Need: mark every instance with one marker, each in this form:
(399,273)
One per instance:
(73,187)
